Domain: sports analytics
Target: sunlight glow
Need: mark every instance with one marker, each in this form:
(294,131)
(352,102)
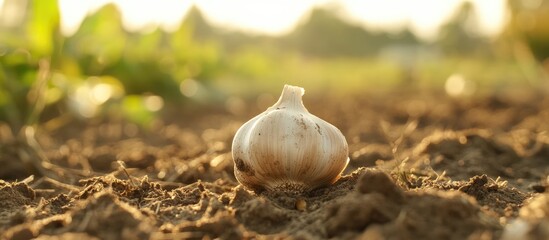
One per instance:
(100,93)
(74,12)
(87,98)
(189,87)
(423,16)
(458,85)
(271,17)
(279,17)
(82,102)
(146,14)
(154,103)
(11,14)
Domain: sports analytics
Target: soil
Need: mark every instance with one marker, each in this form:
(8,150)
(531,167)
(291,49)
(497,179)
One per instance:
(422,166)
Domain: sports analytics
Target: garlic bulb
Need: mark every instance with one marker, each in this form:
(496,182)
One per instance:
(288,149)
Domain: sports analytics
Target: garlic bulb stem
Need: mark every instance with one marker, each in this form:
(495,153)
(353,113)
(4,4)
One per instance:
(291,97)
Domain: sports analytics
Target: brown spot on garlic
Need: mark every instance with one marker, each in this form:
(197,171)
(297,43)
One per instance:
(241,166)
(318,129)
(288,149)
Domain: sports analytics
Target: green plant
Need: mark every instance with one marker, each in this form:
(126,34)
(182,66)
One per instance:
(26,58)
(399,171)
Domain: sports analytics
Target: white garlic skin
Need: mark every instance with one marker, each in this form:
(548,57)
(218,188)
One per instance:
(288,149)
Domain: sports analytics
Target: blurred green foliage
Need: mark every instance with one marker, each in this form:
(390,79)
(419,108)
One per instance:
(325,34)
(22,48)
(528,23)
(104,70)
(461,34)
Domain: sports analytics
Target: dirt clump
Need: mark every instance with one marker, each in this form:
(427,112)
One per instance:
(15,199)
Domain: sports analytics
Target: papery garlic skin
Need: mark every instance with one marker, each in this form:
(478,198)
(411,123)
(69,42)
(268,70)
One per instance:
(286,148)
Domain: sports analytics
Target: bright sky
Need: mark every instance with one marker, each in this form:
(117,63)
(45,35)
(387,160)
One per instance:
(278,17)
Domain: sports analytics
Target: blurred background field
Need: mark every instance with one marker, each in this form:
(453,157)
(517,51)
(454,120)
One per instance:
(52,66)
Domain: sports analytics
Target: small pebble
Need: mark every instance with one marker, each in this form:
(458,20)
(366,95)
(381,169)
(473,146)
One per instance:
(301,204)
(538,188)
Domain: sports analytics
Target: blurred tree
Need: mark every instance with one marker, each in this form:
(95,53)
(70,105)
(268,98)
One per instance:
(197,48)
(99,42)
(195,21)
(325,34)
(525,40)
(528,23)
(460,35)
